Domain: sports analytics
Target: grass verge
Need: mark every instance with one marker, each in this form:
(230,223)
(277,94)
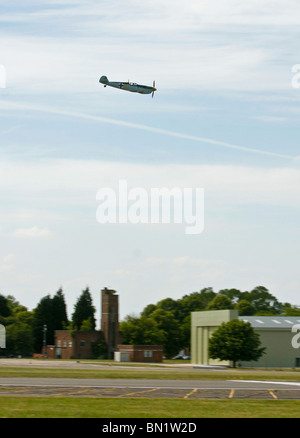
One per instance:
(153,373)
(60,407)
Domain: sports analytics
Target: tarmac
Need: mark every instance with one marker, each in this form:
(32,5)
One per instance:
(137,388)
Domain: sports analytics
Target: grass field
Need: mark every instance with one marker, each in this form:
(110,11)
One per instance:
(33,407)
(154,372)
(89,407)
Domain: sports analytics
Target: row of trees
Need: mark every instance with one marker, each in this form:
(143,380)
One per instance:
(165,323)
(168,322)
(25,329)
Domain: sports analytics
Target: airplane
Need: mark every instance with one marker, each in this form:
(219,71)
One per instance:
(129,86)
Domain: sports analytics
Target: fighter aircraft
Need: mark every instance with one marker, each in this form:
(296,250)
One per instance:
(129,86)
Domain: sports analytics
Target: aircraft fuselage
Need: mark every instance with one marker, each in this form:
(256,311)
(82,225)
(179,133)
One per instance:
(127,86)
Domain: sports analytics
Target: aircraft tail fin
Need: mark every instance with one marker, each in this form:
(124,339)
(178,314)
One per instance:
(103,80)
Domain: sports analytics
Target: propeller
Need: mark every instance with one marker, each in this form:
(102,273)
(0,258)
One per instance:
(154,89)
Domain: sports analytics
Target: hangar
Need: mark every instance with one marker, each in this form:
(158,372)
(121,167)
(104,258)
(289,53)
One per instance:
(275,334)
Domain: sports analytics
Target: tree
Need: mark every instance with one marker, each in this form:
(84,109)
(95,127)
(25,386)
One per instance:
(141,331)
(220,302)
(290,310)
(167,322)
(235,341)
(51,312)
(19,338)
(233,294)
(19,333)
(196,301)
(86,325)
(43,315)
(4,307)
(244,307)
(84,310)
(60,318)
(99,349)
(263,301)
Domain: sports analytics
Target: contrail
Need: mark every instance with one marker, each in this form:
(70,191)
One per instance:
(144,128)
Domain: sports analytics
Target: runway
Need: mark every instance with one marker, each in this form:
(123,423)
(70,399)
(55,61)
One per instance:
(145,388)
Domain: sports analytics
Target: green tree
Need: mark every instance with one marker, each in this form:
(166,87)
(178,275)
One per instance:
(51,312)
(290,310)
(86,325)
(99,349)
(233,294)
(19,333)
(196,301)
(4,307)
(84,310)
(167,322)
(235,341)
(43,315)
(220,302)
(141,331)
(19,338)
(148,310)
(60,318)
(244,307)
(263,301)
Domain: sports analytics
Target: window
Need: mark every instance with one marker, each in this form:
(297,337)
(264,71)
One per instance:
(70,344)
(64,344)
(82,344)
(148,353)
(59,343)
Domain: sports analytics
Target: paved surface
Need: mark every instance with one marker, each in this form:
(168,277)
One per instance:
(204,389)
(145,388)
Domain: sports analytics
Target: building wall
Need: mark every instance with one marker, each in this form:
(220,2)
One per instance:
(143,353)
(279,350)
(76,346)
(64,344)
(203,324)
(110,319)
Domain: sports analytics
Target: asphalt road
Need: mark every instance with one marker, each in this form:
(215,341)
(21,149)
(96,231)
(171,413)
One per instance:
(146,388)
(199,389)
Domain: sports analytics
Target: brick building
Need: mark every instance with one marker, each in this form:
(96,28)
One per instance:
(139,353)
(79,344)
(110,320)
(76,345)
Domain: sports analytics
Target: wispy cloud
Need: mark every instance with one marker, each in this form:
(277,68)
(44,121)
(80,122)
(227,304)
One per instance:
(138,126)
(33,232)
(197,44)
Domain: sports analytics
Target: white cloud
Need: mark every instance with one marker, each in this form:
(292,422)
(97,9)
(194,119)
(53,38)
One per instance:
(139,126)
(197,44)
(68,182)
(271,119)
(33,232)
(7,262)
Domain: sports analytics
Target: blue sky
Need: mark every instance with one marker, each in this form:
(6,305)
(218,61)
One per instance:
(225,118)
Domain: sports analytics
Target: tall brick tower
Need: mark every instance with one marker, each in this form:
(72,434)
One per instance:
(110,319)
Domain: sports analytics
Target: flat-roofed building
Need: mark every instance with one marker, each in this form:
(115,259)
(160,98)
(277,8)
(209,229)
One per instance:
(277,333)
